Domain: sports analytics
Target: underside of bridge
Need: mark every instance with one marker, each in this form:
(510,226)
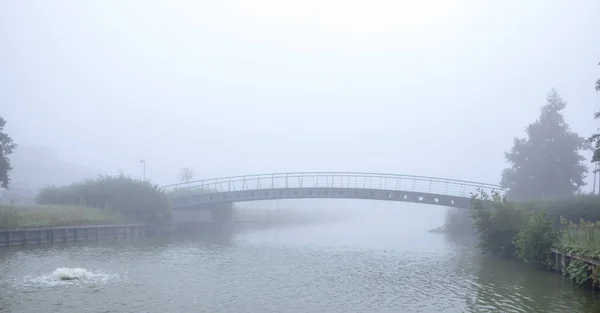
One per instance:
(207,212)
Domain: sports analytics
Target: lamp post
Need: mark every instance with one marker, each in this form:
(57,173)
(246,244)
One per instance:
(144,172)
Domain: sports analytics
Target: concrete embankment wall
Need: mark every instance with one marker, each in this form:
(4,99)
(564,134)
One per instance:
(10,237)
(48,235)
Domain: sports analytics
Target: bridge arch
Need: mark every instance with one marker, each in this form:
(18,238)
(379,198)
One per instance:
(330,185)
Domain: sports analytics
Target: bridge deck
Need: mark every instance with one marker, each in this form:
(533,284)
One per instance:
(375,186)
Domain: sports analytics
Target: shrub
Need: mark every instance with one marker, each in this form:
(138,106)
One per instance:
(496,222)
(132,198)
(535,239)
(573,208)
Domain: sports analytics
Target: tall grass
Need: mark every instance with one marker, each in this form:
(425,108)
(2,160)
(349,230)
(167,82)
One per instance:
(584,236)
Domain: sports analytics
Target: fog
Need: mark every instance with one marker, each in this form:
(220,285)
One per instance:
(231,87)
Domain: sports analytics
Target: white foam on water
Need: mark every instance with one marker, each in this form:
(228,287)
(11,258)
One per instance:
(68,276)
(67,273)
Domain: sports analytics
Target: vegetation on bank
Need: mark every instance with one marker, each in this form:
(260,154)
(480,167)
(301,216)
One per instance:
(581,239)
(132,199)
(527,232)
(546,209)
(54,216)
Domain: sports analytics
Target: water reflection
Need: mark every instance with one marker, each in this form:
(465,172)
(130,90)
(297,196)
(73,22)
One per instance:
(510,286)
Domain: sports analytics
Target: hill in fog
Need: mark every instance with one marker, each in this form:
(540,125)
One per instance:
(36,167)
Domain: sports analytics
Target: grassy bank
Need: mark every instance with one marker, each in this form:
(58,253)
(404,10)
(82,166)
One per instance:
(134,199)
(102,200)
(51,216)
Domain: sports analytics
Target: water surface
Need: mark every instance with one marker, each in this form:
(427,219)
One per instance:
(383,262)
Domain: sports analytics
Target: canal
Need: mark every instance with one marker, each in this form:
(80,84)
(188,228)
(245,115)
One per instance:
(377,260)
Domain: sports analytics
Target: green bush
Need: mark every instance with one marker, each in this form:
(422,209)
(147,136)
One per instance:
(573,208)
(535,239)
(496,222)
(132,198)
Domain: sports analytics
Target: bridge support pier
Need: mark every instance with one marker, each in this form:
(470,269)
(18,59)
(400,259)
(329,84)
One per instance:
(221,212)
(215,212)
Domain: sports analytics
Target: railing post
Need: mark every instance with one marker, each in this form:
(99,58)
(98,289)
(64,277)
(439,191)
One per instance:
(430,179)
(273,181)
(301,178)
(287,175)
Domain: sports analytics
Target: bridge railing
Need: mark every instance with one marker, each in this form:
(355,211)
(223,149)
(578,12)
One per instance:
(377,181)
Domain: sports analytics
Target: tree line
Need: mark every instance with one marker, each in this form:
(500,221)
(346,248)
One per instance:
(7,146)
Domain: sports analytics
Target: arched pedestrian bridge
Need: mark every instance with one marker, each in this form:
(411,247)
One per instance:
(318,185)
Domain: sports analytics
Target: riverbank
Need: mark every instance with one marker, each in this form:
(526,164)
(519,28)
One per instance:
(33,216)
(528,233)
(57,215)
(11,237)
(34,225)
(49,235)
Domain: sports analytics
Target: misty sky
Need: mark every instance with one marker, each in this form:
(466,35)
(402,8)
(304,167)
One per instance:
(436,88)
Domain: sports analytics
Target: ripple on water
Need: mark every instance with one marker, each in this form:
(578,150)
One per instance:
(282,275)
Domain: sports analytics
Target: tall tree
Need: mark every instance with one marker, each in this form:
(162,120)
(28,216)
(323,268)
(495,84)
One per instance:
(595,138)
(186,175)
(546,164)
(6,148)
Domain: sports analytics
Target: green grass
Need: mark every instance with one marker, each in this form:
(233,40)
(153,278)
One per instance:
(55,215)
(581,239)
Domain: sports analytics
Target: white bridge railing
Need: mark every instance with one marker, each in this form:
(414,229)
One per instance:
(376,181)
